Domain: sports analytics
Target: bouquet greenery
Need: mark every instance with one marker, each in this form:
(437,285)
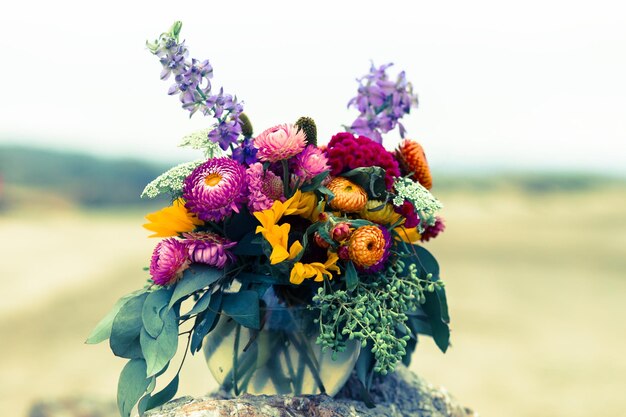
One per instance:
(273,219)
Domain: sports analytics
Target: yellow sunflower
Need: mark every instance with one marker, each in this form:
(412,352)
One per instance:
(315,270)
(172,220)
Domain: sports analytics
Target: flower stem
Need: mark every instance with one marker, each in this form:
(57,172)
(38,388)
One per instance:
(286,178)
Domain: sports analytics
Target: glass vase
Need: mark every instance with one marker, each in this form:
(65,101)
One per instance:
(280,358)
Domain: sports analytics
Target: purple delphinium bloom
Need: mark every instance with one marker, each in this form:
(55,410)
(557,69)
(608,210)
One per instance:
(215,189)
(192,82)
(226,133)
(245,153)
(209,248)
(381,103)
(168,262)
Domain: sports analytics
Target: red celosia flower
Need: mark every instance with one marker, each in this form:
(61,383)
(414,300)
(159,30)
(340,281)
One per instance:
(346,152)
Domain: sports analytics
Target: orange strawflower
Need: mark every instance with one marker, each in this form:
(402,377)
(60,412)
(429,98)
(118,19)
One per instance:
(367,246)
(412,158)
(349,197)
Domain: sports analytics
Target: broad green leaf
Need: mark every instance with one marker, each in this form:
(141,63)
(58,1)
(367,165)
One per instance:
(201,305)
(249,245)
(427,262)
(206,321)
(325,191)
(131,386)
(149,402)
(372,179)
(196,277)
(102,331)
(127,325)
(364,367)
(243,307)
(155,302)
(352,278)
(315,182)
(237,225)
(246,277)
(160,350)
(439,326)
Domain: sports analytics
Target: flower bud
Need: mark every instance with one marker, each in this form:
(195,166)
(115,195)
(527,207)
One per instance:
(319,241)
(340,232)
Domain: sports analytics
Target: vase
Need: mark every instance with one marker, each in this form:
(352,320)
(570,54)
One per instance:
(282,358)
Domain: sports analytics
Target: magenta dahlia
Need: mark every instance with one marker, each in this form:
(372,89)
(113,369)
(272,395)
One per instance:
(346,152)
(280,142)
(209,248)
(263,188)
(169,260)
(215,189)
(309,163)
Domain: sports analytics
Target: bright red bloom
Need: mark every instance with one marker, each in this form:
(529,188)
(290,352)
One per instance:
(346,152)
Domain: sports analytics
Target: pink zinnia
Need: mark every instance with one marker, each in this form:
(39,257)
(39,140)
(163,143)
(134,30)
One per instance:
(263,188)
(279,142)
(169,260)
(215,189)
(209,248)
(310,162)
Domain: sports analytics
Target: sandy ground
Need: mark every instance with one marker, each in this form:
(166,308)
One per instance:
(535,284)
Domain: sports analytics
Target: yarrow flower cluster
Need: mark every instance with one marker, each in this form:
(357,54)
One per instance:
(274,219)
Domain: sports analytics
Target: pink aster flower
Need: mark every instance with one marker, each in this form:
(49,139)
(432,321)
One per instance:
(215,189)
(209,248)
(169,260)
(263,188)
(310,162)
(279,142)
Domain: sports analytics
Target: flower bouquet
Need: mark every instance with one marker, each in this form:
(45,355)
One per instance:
(289,264)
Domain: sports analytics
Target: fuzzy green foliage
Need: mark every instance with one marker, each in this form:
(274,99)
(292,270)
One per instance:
(246,125)
(307,125)
(375,313)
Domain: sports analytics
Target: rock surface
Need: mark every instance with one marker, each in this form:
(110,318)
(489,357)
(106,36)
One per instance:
(401,394)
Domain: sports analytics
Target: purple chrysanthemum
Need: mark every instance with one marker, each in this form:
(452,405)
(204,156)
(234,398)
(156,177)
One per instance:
(309,163)
(169,260)
(215,189)
(209,248)
(263,188)
(431,232)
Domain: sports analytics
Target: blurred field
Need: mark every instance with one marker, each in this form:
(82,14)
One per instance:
(535,281)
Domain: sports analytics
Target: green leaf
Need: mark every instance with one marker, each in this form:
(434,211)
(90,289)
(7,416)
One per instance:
(201,305)
(131,386)
(427,262)
(237,225)
(102,331)
(196,277)
(127,325)
(243,307)
(160,350)
(352,278)
(249,245)
(156,301)
(152,401)
(206,321)
(439,325)
(372,179)
(315,182)
(325,191)
(249,277)
(364,367)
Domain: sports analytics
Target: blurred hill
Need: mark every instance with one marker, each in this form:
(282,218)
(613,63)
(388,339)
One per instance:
(64,178)
(39,177)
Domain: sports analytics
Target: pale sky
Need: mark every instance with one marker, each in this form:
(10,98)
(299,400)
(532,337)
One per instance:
(535,85)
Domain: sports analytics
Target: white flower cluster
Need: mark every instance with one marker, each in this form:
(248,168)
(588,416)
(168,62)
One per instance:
(171,181)
(200,140)
(424,202)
